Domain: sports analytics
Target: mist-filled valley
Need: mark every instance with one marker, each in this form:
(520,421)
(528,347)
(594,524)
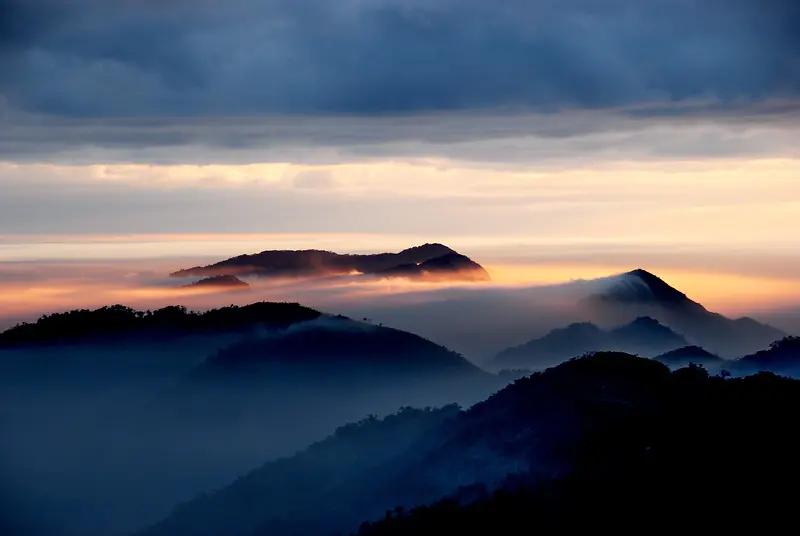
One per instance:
(174,421)
(399,267)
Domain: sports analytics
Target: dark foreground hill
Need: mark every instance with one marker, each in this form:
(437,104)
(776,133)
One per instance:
(428,261)
(710,454)
(609,440)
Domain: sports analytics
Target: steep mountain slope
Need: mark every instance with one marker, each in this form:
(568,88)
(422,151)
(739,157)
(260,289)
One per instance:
(640,293)
(438,260)
(642,336)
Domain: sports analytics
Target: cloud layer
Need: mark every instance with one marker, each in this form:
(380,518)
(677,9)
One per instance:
(242,57)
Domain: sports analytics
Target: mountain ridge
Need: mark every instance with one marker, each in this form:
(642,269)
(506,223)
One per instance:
(315,263)
(642,335)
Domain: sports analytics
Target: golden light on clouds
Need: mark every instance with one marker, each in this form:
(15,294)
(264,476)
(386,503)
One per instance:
(720,229)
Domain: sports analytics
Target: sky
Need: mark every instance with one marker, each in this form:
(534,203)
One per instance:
(549,140)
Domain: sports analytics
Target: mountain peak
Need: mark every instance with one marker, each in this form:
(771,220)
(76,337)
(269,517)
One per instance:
(432,249)
(642,287)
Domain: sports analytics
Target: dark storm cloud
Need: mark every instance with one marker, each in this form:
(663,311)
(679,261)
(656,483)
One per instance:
(200,58)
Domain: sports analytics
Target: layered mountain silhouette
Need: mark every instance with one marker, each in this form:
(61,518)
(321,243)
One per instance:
(610,440)
(421,262)
(344,365)
(640,293)
(220,281)
(782,357)
(644,335)
(683,357)
(335,345)
(180,401)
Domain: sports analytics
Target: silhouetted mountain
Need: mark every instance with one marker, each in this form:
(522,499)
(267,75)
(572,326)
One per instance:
(443,267)
(221,281)
(353,366)
(782,357)
(336,344)
(609,438)
(640,293)
(683,357)
(439,261)
(158,406)
(118,321)
(644,335)
(532,425)
(705,448)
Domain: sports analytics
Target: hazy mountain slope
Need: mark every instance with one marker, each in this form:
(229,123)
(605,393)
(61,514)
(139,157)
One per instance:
(438,260)
(640,293)
(646,336)
(532,426)
(642,336)
(682,357)
(175,402)
(781,357)
(707,448)
(322,373)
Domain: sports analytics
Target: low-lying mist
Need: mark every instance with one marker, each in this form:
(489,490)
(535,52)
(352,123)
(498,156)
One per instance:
(474,318)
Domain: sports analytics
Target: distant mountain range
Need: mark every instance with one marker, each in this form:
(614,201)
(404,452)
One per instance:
(428,261)
(640,293)
(644,336)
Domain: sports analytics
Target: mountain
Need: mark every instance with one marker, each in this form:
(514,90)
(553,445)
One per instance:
(609,439)
(644,335)
(641,293)
(355,367)
(683,357)
(439,260)
(158,406)
(708,446)
(443,267)
(327,489)
(220,281)
(116,322)
(782,357)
